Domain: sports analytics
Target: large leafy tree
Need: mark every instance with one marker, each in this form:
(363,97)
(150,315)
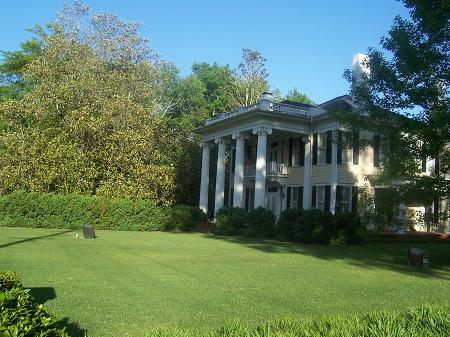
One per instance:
(91,122)
(296,96)
(250,79)
(405,100)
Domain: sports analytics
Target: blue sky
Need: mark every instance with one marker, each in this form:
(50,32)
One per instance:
(308,44)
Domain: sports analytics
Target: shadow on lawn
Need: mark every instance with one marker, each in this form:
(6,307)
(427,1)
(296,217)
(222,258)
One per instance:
(44,294)
(390,256)
(72,328)
(35,238)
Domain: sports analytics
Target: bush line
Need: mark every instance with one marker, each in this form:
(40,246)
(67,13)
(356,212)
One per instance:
(72,211)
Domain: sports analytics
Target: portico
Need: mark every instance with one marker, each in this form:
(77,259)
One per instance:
(266,146)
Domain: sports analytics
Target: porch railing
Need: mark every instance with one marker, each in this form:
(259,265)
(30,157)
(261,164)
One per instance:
(272,168)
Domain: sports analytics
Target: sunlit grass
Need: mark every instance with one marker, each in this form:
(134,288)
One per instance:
(126,283)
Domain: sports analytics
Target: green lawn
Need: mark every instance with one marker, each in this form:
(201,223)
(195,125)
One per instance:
(125,283)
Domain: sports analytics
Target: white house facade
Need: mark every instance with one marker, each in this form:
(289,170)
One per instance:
(288,155)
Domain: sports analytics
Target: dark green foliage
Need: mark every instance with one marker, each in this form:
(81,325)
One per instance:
(19,316)
(180,218)
(349,229)
(9,280)
(427,321)
(230,221)
(259,222)
(307,226)
(288,222)
(235,221)
(47,210)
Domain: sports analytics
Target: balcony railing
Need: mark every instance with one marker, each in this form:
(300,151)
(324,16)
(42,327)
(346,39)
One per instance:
(272,168)
(276,168)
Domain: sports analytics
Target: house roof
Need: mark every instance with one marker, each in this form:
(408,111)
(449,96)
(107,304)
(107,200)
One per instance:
(303,105)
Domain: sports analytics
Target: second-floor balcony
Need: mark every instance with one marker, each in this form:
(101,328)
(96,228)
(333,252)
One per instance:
(273,168)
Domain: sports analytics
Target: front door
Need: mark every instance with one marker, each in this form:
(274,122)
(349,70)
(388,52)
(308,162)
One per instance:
(273,201)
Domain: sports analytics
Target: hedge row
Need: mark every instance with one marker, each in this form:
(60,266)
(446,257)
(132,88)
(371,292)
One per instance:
(19,316)
(306,226)
(236,221)
(47,210)
(427,321)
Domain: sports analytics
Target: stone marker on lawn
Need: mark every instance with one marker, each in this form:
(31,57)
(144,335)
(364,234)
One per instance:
(88,231)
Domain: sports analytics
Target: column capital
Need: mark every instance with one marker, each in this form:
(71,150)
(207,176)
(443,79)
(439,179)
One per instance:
(219,140)
(204,144)
(306,139)
(262,131)
(239,135)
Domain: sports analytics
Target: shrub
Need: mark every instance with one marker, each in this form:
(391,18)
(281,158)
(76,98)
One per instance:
(230,221)
(47,210)
(19,315)
(349,229)
(288,221)
(259,223)
(198,214)
(307,226)
(9,280)
(179,218)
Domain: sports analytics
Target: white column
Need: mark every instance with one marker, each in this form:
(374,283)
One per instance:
(220,176)
(307,186)
(204,184)
(334,173)
(260,176)
(238,188)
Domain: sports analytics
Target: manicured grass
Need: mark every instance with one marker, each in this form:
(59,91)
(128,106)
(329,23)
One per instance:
(126,283)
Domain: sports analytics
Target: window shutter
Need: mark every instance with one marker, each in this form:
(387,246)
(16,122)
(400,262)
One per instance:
(424,165)
(338,198)
(328,148)
(315,149)
(356,148)
(291,145)
(339,147)
(247,197)
(302,152)
(288,197)
(313,197)
(354,199)
(327,197)
(376,151)
(233,160)
(300,197)
(436,166)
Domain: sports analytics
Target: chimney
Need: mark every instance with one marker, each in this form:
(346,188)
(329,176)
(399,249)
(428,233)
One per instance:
(360,69)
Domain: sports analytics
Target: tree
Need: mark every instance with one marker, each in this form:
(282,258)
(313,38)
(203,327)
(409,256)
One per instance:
(12,84)
(90,124)
(250,79)
(296,96)
(405,100)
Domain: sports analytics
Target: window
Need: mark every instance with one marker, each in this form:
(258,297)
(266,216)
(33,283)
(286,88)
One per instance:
(320,197)
(343,199)
(295,151)
(249,199)
(321,148)
(251,155)
(296,197)
(347,148)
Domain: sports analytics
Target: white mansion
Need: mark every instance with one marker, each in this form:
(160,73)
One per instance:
(288,155)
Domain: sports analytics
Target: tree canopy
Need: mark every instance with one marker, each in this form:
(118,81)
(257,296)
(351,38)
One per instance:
(88,107)
(405,98)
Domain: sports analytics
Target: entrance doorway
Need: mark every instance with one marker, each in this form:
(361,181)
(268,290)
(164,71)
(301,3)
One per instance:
(273,200)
